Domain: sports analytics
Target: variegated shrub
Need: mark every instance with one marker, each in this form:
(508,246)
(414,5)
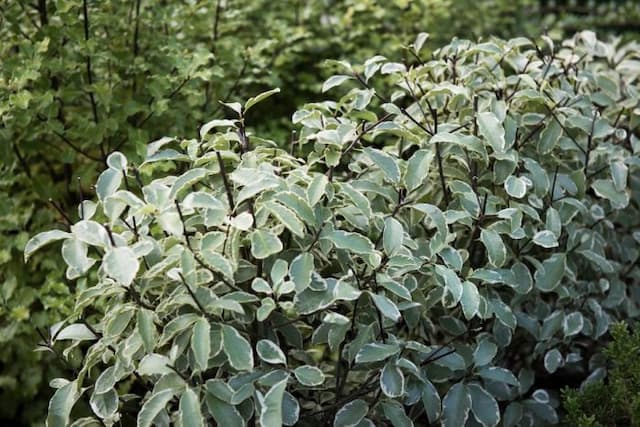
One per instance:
(444,243)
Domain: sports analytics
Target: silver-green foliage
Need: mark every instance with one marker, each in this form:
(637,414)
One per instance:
(433,241)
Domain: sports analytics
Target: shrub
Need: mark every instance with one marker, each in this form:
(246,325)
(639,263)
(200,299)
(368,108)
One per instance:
(616,400)
(432,247)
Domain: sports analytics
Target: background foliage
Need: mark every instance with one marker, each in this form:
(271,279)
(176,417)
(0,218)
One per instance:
(81,79)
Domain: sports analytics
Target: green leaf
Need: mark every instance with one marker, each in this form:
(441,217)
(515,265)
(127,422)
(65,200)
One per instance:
(153,406)
(61,404)
(108,182)
(218,263)
(385,162)
(287,217)
(484,406)
(300,271)
(267,305)
(451,281)
(470,300)
(187,179)
(549,137)
(418,169)
(491,128)
(190,414)
(353,242)
(395,413)
(455,406)
(271,411)
(121,264)
(223,413)
(605,188)
(546,239)
(431,401)
(573,324)
(317,189)
(270,352)
(548,276)
(516,186)
(376,352)
(76,332)
(351,414)
(392,380)
(334,81)
(41,239)
(553,360)
(392,236)
(290,410)
(309,376)
(201,343)
(259,98)
(237,349)
(496,250)
(502,375)
(264,244)
(386,307)
(484,352)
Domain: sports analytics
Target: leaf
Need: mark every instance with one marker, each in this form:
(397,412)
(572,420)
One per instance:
(237,349)
(546,239)
(386,307)
(484,406)
(201,343)
(385,162)
(187,179)
(287,217)
(108,182)
(334,81)
(259,98)
(218,263)
(376,352)
(516,186)
(190,414)
(151,364)
(392,236)
(309,376)
(121,264)
(484,352)
(605,188)
(317,189)
(451,282)
(455,406)
(553,360)
(548,276)
(41,239)
(300,271)
(290,410)
(153,406)
(549,137)
(491,128)
(395,413)
(573,324)
(77,332)
(470,300)
(224,413)
(418,169)
(351,414)
(270,352)
(431,401)
(392,380)
(271,411)
(264,244)
(496,251)
(61,404)
(353,242)
(502,375)
(206,128)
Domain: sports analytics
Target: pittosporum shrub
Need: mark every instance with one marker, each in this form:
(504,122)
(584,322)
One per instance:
(444,243)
